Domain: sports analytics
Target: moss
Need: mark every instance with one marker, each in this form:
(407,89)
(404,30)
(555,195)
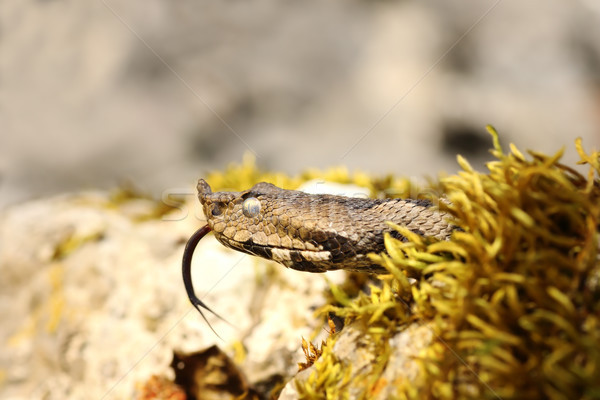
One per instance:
(329,379)
(72,242)
(517,302)
(245,175)
(127,193)
(514,296)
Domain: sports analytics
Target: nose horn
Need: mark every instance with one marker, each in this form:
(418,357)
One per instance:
(203,188)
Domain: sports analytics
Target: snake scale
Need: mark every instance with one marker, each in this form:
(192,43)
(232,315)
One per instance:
(307,232)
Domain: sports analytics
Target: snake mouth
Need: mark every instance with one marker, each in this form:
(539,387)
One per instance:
(282,255)
(302,260)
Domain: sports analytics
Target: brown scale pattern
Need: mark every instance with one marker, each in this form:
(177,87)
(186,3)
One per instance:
(314,233)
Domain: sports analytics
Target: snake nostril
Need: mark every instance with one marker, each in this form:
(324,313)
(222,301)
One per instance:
(217,209)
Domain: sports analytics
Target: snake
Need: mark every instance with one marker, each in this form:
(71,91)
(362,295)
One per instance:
(308,232)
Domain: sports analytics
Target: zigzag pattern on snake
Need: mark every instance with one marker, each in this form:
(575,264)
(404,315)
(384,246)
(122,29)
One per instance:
(308,232)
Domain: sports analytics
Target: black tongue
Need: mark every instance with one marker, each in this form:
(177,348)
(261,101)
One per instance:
(186,269)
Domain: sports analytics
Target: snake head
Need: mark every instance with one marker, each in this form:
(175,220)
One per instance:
(235,215)
(301,231)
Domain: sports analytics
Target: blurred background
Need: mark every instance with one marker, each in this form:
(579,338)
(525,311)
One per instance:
(156,92)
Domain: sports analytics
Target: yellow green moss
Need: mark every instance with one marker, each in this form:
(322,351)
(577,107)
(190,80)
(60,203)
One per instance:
(245,175)
(72,242)
(519,303)
(329,378)
(128,193)
(513,297)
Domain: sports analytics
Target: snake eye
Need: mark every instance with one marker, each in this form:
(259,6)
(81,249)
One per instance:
(251,207)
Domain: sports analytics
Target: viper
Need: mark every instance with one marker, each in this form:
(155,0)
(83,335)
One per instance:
(307,232)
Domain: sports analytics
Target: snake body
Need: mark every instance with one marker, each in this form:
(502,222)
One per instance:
(308,232)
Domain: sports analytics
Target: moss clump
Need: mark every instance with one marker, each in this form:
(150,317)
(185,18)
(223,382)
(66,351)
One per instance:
(245,175)
(514,297)
(519,305)
(330,378)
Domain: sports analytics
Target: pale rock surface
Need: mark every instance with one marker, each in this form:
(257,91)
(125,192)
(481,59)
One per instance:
(157,91)
(92,299)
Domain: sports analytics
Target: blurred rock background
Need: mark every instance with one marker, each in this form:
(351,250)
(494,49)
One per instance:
(158,92)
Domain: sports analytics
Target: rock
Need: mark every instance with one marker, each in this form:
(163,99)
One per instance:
(92,299)
(409,84)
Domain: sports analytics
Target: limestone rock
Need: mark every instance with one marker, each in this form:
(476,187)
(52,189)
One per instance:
(92,299)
